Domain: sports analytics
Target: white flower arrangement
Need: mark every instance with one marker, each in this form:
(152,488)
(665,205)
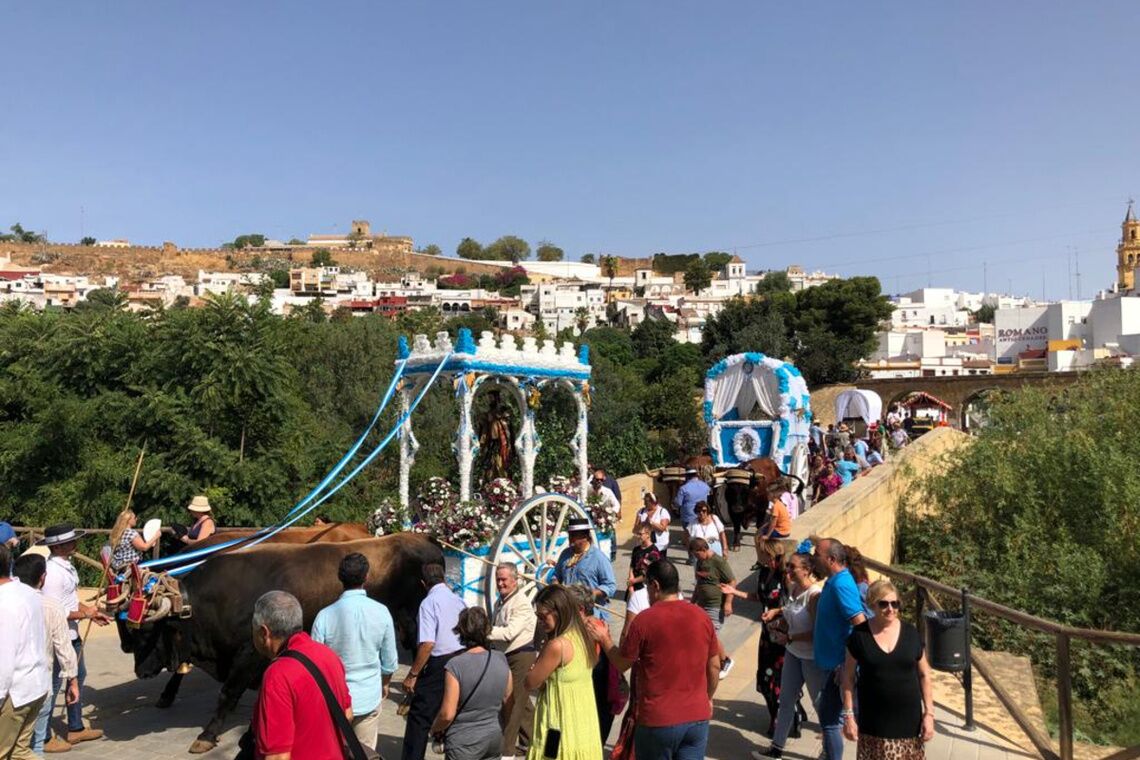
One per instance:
(388,518)
(602,515)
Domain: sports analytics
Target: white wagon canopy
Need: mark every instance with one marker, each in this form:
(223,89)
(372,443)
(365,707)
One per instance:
(757,406)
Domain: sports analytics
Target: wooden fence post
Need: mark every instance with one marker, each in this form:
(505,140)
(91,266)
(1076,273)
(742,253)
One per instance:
(1064,697)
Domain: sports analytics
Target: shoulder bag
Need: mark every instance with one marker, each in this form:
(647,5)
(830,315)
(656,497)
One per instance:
(353,749)
(442,738)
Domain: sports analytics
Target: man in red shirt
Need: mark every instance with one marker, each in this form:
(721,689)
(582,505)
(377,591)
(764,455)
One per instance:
(291,720)
(675,649)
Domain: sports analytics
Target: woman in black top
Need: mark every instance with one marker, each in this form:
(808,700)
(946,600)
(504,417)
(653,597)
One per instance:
(896,704)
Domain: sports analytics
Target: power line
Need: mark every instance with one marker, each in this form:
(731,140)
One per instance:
(901,228)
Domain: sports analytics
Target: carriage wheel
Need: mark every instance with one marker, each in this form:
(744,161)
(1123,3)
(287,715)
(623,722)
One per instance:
(529,539)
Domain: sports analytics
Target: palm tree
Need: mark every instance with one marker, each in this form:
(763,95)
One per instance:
(609,269)
(582,319)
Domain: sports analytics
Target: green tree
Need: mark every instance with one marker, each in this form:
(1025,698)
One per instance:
(88,240)
(776,281)
(587,258)
(431,249)
(985,313)
(717,260)
(998,517)
(652,337)
(697,276)
(548,251)
(297,241)
(750,324)
(280,278)
(508,248)
(322,257)
(254,240)
(469,248)
(104,298)
(20,235)
(835,325)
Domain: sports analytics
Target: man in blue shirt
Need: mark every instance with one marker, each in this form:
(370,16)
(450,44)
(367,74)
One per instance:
(582,562)
(360,630)
(840,608)
(438,643)
(692,491)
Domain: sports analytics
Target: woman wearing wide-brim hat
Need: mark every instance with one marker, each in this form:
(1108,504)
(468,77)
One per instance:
(203,526)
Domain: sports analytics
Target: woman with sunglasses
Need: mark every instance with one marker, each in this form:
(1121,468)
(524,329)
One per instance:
(709,527)
(896,702)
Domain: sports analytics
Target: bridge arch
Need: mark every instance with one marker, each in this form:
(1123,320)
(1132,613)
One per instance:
(974,411)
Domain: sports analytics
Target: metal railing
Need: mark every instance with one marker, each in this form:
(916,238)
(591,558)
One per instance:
(925,590)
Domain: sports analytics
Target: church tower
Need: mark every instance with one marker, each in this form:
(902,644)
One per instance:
(1128,252)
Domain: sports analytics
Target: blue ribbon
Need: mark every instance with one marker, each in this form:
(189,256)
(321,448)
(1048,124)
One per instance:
(175,559)
(269,533)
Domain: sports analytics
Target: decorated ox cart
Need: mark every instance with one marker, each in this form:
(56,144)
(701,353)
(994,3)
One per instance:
(495,520)
(755,407)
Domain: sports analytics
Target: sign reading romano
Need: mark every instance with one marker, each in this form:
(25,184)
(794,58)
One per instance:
(1018,330)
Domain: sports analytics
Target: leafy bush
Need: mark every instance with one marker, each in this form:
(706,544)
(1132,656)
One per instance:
(1042,513)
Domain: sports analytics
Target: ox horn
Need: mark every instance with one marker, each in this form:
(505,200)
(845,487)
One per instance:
(162,611)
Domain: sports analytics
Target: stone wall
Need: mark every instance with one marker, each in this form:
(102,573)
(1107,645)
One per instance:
(632,488)
(863,514)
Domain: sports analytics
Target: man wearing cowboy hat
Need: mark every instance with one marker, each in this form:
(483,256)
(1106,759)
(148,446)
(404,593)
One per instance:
(62,584)
(582,562)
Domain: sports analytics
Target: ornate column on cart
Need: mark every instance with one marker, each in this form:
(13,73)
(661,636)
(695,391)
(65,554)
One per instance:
(522,371)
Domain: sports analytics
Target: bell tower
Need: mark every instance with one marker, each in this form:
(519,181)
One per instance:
(1128,252)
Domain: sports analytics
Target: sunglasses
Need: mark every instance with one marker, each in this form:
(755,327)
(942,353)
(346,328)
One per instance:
(891,603)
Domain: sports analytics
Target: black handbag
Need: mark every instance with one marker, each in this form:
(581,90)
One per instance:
(353,749)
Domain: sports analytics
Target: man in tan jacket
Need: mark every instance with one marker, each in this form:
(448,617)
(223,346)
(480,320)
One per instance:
(512,632)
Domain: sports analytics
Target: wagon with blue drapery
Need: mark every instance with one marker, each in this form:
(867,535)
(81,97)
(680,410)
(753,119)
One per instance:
(756,407)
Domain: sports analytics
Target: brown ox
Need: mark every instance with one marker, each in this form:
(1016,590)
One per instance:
(333,533)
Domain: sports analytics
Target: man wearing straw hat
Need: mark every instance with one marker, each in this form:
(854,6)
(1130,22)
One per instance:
(582,562)
(62,584)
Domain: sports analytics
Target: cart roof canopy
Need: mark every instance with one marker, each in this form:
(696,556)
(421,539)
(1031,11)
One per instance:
(858,403)
(739,384)
(922,398)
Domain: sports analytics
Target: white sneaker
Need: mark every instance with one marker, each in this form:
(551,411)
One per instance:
(725,667)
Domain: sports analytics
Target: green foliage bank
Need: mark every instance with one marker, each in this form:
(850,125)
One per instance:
(1042,513)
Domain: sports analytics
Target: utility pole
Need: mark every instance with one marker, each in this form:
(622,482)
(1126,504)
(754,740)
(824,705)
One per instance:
(1077,268)
(985,281)
(1069,270)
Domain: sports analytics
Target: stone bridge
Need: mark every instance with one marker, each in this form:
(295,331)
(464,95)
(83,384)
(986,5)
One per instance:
(957,391)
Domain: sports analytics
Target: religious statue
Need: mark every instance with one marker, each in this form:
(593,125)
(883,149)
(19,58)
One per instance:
(496,441)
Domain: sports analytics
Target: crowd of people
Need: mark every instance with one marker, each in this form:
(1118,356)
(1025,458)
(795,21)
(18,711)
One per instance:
(541,678)
(839,455)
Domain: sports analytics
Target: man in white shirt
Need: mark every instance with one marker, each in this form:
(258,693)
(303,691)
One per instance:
(31,569)
(24,675)
(61,583)
(512,633)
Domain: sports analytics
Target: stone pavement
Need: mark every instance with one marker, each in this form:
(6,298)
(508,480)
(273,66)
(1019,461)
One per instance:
(124,707)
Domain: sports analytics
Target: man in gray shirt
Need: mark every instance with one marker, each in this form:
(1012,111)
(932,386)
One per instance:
(438,643)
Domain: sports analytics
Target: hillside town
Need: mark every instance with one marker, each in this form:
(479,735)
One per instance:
(932,332)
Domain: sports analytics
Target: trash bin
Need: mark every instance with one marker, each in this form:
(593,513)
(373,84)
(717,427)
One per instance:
(946,640)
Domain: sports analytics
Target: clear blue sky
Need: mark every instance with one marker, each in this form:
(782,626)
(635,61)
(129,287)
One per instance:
(896,139)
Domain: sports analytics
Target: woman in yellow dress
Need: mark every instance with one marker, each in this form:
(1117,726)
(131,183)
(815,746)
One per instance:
(563,670)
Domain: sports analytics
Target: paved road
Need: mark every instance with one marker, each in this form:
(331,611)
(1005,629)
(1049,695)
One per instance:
(124,707)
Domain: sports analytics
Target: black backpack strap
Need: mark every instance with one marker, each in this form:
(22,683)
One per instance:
(355,749)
